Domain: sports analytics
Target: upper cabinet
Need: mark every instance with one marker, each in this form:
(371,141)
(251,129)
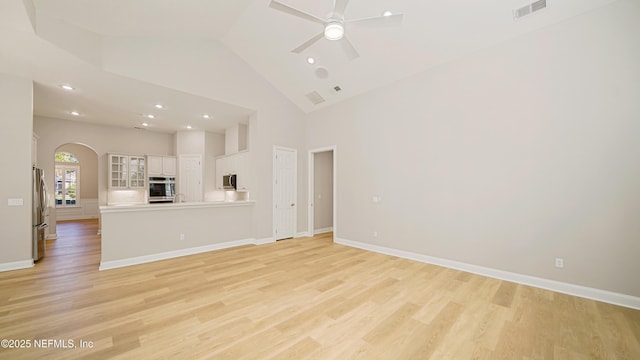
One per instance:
(162,165)
(235,139)
(136,172)
(126,171)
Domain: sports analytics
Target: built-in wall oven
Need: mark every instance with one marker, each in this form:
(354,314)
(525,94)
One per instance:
(162,189)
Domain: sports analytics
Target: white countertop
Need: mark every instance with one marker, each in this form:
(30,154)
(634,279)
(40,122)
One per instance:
(117,208)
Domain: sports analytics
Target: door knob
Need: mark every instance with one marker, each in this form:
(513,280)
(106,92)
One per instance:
(293,204)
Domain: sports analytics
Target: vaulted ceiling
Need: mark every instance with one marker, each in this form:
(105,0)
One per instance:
(63,41)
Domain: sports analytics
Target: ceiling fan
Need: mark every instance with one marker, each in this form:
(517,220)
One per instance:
(334,24)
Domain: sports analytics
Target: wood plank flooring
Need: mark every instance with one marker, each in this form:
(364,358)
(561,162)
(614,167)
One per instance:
(296,299)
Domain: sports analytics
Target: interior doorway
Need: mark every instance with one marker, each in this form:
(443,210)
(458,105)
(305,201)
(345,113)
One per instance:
(322,190)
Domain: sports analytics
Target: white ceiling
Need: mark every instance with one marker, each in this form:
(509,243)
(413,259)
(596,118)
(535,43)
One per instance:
(432,33)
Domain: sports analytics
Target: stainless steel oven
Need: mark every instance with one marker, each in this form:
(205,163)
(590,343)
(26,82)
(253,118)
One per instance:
(162,189)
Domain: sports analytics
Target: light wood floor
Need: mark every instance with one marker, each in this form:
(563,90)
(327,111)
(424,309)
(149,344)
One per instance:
(296,299)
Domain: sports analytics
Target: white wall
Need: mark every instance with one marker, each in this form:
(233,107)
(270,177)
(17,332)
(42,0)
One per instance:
(16,111)
(125,236)
(507,158)
(323,191)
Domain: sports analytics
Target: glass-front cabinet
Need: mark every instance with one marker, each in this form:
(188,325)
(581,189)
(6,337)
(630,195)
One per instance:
(118,171)
(126,171)
(136,172)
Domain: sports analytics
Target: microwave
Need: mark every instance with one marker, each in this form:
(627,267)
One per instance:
(230,182)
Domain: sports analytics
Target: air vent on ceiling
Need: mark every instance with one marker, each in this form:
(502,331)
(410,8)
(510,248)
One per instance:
(337,88)
(315,98)
(529,9)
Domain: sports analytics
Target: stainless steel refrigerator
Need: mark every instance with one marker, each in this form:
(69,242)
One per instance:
(39,213)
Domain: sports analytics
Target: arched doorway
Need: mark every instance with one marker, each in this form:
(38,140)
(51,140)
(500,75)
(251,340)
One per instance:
(75,193)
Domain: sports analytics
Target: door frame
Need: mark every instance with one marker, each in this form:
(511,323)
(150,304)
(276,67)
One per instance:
(310,193)
(295,189)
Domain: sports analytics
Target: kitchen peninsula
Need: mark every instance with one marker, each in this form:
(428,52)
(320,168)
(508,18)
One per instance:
(136,234)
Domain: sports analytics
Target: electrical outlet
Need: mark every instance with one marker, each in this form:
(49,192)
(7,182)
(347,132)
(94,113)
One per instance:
(375,234)
(559,263)
(181,236)
(15,202)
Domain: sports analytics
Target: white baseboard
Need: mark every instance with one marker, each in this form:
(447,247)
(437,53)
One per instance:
(323,230)
(264,241)
(301,234)
(557,286)
(113,264)
(16,265)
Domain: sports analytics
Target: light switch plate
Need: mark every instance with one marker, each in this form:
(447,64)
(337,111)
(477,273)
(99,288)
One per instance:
(15,202)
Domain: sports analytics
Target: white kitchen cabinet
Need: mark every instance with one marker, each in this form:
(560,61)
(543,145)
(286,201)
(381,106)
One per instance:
(237,164)
(235,139)
(241,165)
(170,165)
(162,165)
(126,171)
(137,172)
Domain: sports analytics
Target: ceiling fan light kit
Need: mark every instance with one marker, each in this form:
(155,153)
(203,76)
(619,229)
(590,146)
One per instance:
(334,24)
(334,31)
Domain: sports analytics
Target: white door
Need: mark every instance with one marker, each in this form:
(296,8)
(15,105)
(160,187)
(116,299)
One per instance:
(284,192)
(190,178)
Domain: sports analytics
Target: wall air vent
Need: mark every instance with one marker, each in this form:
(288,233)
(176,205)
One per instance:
(529,9)
(315,98)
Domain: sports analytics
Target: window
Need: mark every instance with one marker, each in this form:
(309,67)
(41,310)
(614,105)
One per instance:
(67,180)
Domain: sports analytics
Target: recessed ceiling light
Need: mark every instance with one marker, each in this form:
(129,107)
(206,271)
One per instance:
(189,127)
(75,113)
(145,124)
(159,106)
(206,116)
(151,116)
(67,87)
(387,13)
(311,60)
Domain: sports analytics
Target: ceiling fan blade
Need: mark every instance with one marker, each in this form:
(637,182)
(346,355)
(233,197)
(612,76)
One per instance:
(339,7)
(308,43)
(295,12)
(348,48)
(391,20)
